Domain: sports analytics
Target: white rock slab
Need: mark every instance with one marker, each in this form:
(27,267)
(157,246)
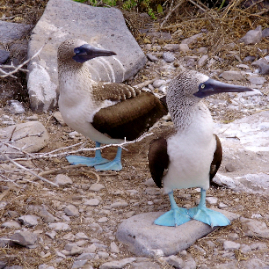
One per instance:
(31,136)
(245,145)
(251,131)
(147,239)
(101,27)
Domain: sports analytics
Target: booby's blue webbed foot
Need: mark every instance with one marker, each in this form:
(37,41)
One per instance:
(89,161)
(175,217)
(74,159)
(114,165)
(206,215)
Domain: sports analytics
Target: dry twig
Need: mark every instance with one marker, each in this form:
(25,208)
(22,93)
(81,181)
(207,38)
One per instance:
(17,68)
(171,11)
(55,154)
(31,172)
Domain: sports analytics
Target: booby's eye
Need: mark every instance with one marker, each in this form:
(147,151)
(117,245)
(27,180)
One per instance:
(202,86)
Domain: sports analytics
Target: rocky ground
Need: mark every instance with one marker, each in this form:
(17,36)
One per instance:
(74,225)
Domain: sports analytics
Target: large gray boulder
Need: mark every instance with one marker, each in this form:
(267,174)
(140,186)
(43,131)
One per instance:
(101,27)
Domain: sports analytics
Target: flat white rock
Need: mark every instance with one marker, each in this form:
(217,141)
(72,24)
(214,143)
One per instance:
(147,239)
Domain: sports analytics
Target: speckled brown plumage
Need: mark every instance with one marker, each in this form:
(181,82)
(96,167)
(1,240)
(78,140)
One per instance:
(113,91)
(131,118)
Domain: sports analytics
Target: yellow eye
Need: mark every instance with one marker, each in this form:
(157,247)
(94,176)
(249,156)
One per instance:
(202,86)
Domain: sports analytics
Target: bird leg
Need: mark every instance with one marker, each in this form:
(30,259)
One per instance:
(114,165)
(175,217)
(98,159)
(206,215)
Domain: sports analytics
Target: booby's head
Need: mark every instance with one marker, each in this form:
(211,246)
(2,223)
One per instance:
(194,84)
(80,51)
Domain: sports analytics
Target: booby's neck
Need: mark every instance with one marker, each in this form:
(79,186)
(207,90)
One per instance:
(183,109)
(69,65)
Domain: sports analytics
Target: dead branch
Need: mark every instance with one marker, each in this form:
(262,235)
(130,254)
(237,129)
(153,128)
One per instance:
(60,170)
(171,10)
(6,179)
(57,154)
(17,68)
(52,154)
(143,84)
(31,172)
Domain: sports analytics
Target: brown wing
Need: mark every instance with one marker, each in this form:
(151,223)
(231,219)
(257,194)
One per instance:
(113,91)
(216,161)
(131,118)
(158,160)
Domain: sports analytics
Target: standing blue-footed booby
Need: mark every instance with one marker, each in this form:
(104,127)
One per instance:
(105,112)
(192,155)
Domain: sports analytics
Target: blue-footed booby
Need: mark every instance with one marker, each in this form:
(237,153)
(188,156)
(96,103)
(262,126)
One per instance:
(192,155)
(105,112)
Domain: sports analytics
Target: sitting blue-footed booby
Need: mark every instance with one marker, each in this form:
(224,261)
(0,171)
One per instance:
(192,155)
(105,112)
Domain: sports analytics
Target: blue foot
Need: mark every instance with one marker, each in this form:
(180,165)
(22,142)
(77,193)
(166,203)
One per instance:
(114,165)
(206,215)
(73,159)
(175,217)
(98,159)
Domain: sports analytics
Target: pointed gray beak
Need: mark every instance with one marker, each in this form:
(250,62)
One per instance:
(212,86)
(87,52)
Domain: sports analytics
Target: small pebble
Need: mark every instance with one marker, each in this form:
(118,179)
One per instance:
(59,226)
(230,245)
(78,264)
(81,235)
(212,200)
(32,118)
(24,238)
(152,57)
(221,205)
(158,83)
(11,224)
(96,187)
(51,234)
(103,219)
(119,204)
(15,107)
(28,220)
(71,210)
(103,255)
(168,57)
(92,202)
(114,248)
(63,180)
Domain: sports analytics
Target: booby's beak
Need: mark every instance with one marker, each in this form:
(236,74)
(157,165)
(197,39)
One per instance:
(212,86)
(87,52)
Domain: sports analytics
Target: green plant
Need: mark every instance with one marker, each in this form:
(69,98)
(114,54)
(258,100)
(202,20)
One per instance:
(127,4)
(111,3)
(80,1)
(142,4)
